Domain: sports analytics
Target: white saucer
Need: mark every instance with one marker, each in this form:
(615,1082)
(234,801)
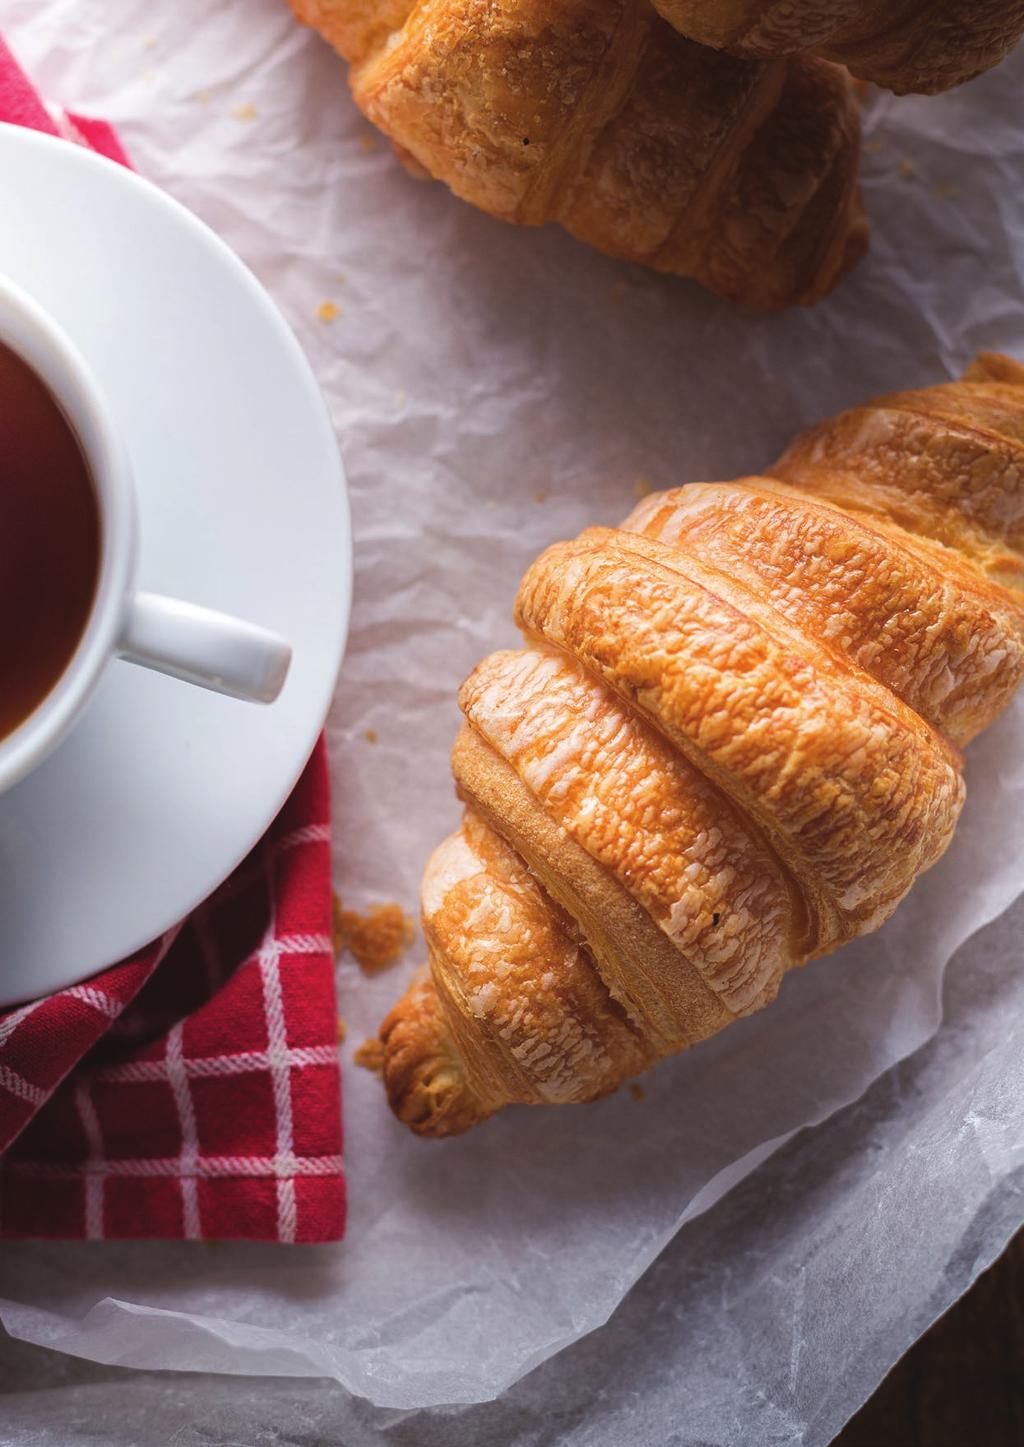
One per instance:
(162,789)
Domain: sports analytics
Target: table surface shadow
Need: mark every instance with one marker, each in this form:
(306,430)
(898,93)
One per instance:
(962,1383)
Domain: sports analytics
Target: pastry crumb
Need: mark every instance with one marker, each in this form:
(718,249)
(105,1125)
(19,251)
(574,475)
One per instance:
(616,293)
(247,112)
(400,400)
(873,148)
(370,1055)
(328,311)
(376,938)
(370,735)
(642,486)
(907,168)
(150,42)
(637,1091)
(203,97)
(540,495)
(342,1031)
(368,142)
(944,190)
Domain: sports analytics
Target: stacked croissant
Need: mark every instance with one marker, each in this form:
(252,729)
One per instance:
(731,743)
(732,160)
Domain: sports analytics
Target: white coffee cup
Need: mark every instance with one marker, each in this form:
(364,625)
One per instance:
(195,644)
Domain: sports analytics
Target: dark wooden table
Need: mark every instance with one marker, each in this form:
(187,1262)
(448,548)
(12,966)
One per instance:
(962,1384)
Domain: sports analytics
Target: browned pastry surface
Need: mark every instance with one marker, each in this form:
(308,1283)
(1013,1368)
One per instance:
(598,115)
(906,45)
(730,744)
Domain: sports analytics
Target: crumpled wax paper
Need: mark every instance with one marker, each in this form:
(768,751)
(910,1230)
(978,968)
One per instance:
(750,1330)
(494,390)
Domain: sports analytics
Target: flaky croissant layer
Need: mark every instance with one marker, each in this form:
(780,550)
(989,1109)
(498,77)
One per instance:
(906,45)
(730,744)
(598,115)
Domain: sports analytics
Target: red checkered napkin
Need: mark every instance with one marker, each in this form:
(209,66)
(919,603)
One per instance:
(192,1091)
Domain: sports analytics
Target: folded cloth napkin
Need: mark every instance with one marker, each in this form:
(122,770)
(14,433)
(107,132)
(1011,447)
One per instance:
(192,1091)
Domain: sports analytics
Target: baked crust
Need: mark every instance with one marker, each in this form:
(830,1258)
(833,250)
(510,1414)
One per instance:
(730,744)
(905,45)
(598,115)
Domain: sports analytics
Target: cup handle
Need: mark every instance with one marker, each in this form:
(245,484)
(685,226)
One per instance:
(205,647)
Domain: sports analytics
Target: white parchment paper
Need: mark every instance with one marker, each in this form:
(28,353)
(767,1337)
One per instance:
(495,390)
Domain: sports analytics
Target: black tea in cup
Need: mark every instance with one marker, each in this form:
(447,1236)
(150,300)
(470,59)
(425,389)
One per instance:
(50,541)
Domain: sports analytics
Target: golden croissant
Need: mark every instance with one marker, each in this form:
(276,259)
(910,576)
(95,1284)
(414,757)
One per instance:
(906,45)
(730,744)
(598,115)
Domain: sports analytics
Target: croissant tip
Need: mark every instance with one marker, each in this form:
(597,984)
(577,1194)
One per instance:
(426,1086)
(995,367)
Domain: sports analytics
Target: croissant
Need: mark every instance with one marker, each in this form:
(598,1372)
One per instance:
(731,743)
(905,45)
(598,115)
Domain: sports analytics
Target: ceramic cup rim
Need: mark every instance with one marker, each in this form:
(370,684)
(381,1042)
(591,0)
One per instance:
(32,333)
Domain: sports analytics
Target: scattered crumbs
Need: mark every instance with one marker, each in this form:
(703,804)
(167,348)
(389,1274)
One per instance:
(400,400)
(873,148)
(150,42)
(368,142)
(637,1091)
(944,190)
(370,735)
(642,486)
(203,97)
(247,112)
(617,293)
(328,311)
(375,939)
(370,1055)
(540,495)
(342,1031)
(907,168)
